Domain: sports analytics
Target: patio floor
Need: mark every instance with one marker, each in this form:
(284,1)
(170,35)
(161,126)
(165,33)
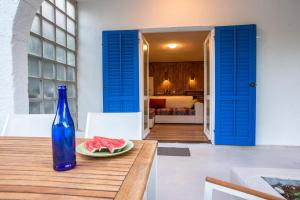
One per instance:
(182,178)
(178,133)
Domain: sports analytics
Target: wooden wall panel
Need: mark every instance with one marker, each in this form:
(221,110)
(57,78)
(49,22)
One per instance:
(179,74)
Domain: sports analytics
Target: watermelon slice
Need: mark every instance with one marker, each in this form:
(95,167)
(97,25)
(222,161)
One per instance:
(93,146)
(90,146)
(104,144)
(113,145)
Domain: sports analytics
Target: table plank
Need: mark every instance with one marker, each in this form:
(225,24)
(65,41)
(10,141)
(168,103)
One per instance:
(18,196)
(26,172)
(25,178)
(63,192)
(138,174)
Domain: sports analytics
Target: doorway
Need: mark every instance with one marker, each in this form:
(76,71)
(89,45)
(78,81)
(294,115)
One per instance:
(233,96)
(175,81)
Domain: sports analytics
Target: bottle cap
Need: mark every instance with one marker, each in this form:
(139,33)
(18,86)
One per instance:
(61,87)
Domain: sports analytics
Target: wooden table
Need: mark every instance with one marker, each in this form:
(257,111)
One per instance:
(26,172)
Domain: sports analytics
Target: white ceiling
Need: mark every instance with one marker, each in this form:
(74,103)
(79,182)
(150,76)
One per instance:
(189,46)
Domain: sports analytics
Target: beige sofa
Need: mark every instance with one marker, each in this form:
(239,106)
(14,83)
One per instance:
(177,111)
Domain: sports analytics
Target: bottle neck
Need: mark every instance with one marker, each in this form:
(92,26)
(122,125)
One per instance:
(62,96)
(63,115)
(62,104)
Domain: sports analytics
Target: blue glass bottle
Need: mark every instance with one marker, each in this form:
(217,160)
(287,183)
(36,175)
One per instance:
(63,134)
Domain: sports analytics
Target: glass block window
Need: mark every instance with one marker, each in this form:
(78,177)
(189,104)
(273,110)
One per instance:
(52,54)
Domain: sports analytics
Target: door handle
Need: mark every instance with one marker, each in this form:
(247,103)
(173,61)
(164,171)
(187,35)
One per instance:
(252,84)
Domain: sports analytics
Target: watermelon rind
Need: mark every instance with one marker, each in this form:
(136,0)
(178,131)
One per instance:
(118,149)
(105,149)
(82,150)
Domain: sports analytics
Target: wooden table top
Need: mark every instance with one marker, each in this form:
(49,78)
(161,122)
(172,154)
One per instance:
(26,172)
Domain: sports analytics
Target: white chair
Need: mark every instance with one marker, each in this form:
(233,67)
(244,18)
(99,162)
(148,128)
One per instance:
(25,125)
(116,125)
(212,184)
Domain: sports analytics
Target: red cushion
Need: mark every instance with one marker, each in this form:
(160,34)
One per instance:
(157,103)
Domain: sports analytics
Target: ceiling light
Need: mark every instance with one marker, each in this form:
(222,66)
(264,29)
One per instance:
(172,46)
(145,47)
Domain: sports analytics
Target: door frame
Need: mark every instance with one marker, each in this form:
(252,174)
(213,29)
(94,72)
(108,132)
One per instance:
(141,82)
(212,67)
(206,97)
(211,40)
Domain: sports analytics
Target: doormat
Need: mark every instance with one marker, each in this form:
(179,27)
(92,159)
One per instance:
(173,151)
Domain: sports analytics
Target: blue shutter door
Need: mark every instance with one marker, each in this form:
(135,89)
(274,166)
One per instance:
(120,71)
(235,85)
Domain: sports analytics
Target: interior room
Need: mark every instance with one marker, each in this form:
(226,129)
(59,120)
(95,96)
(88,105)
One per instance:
(176,85)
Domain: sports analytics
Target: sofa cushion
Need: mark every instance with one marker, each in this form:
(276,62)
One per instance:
(175,101)
(179,101)
(175,111)
(157,103)
(189,104)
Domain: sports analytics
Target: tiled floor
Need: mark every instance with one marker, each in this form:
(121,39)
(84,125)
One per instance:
(182,178)
(178,133)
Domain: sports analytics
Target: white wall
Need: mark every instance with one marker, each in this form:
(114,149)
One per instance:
(278,50)
(16,17)
(6,84)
